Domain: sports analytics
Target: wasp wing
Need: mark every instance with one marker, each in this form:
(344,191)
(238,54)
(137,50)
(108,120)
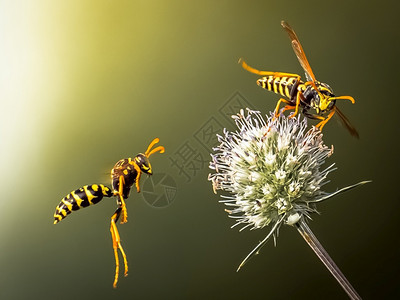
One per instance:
(346,123)
(298,50)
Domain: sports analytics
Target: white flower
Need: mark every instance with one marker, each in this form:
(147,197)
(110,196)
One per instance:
(280,175)
(272,170)
(293,219)
(276,160)
(269,158)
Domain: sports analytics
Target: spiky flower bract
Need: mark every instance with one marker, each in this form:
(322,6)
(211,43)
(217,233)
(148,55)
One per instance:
(272,170)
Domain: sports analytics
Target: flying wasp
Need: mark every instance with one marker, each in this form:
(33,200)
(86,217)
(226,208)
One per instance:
(124,175)
(314,97)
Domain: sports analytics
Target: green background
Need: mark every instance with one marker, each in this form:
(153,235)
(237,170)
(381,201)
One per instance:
(86,83)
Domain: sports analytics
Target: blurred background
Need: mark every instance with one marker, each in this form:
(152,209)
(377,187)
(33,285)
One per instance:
(86,83)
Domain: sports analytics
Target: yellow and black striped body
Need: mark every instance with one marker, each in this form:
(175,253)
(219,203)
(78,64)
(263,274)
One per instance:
(310,94)
(82,197)
(314,98)
(284,86)
(125,173)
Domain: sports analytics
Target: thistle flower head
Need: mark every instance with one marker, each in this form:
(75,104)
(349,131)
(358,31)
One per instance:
(272,170)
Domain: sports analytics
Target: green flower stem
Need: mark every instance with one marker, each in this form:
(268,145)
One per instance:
(315,245)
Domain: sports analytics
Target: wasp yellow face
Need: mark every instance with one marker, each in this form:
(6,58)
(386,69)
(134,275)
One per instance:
(143,163)
(325,105)
(325,100)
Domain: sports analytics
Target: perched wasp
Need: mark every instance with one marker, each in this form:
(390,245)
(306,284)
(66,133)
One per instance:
(311,95)
(124,175)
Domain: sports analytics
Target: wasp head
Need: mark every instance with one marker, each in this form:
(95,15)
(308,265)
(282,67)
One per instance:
(142,161)
(324,99)
(327,99)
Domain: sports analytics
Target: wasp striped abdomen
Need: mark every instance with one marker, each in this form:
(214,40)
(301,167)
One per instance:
(284,86)
(82,197)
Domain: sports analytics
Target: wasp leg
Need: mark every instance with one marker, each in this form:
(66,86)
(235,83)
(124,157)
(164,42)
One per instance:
(321,124)
(265,73)
(139,172)
(277,113)
(287,107)
(313,116)
(121,201)
(296,110)
(116,240)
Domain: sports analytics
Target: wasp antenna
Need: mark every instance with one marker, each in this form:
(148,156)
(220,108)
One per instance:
(153,142)
(343,98)
(160,149)
(149,152)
